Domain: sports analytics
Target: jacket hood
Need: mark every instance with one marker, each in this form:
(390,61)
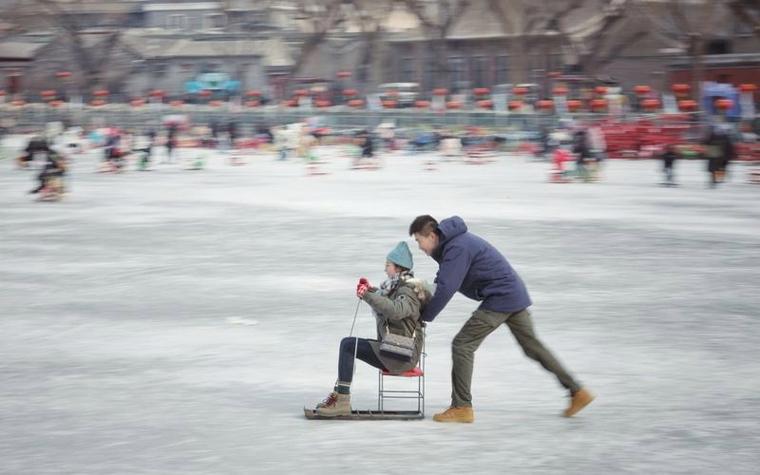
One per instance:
(451,228)
(422,288)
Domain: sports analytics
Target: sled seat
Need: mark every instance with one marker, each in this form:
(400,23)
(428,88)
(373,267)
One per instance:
(417,393)
(412,373)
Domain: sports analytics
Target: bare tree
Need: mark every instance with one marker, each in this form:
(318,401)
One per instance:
(92,53)
(369,16)
(685,22)
(748,12)
(530,24)
(436,26)
(608,39)
(320,17)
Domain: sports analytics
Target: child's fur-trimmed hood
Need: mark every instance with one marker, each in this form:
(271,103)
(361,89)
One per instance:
(422,288)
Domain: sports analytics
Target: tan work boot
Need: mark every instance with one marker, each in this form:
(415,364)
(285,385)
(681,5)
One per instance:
(338,406)
(455,414)
(580,400)
(329,400)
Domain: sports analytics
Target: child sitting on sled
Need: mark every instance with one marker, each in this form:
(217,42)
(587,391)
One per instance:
(397,305)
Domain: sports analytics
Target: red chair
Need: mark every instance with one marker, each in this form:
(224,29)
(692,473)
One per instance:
(418,393)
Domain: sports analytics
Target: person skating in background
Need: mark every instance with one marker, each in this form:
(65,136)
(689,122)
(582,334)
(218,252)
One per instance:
(232,133)
(719,148)
(397,304)
(36,144)
(560,156)
(669,157)
(598,150)
(264,132)
(582,155)
(287,139)
(728,153)
(52,172)
(144,145)
(113,150)
(214,140)
(472,266)
(171,142)
(365,142)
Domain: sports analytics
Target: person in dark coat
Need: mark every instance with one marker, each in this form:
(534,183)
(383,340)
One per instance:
(669,157)
(54,168)
(472,266)
(145,147)
(728,153)
(232,133)
(712,151)
(264,131)
(719,149)
(582,154)
(171,142)
(114,155)
(214,141)
(36,144)
(366,144)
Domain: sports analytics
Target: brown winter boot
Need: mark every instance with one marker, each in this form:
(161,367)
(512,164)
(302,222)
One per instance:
(580,400)
(329,400)
(339,406)
(455,414)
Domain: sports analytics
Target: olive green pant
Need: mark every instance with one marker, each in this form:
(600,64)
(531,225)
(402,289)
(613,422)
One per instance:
(476,329)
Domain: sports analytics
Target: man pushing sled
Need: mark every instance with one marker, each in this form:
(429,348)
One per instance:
(476,269)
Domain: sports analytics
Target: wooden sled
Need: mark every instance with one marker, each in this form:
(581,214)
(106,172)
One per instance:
(368,416)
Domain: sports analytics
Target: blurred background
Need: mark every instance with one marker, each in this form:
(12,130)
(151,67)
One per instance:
(651,72)
(382,54)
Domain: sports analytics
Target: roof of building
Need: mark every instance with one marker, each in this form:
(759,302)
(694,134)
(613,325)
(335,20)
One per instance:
(272,50)
(479,21)
(168,7)
(19,50)
(79,7)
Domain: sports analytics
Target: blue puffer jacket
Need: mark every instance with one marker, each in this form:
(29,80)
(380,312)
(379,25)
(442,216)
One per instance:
(475,268)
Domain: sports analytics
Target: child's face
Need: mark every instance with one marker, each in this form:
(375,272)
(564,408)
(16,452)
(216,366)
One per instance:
(390,269)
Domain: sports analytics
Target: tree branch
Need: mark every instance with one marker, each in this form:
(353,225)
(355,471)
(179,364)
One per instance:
(742,9)
(682,23)
(461,7)
(327,22)
(623,45)
(415,7)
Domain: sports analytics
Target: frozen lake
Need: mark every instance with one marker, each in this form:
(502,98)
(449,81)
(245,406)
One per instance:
(177,321)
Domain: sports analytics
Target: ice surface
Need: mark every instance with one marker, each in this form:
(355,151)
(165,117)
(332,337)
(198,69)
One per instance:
(177,321)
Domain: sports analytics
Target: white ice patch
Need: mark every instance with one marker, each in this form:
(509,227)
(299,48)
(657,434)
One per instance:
(241,321)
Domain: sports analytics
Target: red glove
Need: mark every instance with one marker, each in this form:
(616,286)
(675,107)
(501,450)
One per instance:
(361,290)
(362,282)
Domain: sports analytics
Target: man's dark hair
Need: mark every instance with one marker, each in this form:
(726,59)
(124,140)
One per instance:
(423,225)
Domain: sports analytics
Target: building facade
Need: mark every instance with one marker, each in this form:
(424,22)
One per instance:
(165,45)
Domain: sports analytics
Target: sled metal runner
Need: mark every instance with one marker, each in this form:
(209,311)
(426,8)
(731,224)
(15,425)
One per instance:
(368,415)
